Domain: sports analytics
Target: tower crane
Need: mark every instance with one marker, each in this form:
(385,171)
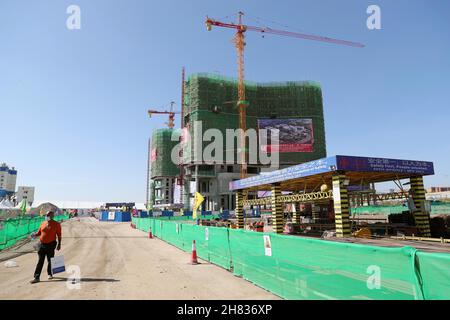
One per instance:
(171,113)
(239,42)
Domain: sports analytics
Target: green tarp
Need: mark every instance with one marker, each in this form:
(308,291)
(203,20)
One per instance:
(301,268)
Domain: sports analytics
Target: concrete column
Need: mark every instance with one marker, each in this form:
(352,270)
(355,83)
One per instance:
(421,218)
(341,208)
(277,209)
(239,210)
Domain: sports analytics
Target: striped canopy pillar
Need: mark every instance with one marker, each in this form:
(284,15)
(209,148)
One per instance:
(296,213)
(277,209)
(341,207)
(421,218)
(240,209)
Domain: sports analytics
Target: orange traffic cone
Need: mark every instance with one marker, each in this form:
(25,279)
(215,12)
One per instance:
(150,234)
(194,253)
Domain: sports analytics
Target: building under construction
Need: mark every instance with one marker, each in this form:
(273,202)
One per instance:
(294,108)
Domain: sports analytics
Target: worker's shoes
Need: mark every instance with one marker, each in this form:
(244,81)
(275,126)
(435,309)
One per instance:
(50,277)
(35,280)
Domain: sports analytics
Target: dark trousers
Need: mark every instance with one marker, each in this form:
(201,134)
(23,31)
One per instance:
(45,250)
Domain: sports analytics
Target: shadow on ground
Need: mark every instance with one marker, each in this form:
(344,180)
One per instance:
(58,279)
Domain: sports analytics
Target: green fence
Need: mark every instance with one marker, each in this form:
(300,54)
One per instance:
(13,230)
(436,209)
(301,268)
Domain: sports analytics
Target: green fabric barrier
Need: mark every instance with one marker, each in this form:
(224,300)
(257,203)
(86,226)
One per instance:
(302,268)
(193,232)
(218,247)
(317,269)
(170,234)
(157,226)
(16,229)
(250,262)
(435,275)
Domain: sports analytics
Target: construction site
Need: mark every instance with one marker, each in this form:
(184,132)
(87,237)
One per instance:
(268,213)
(308,194)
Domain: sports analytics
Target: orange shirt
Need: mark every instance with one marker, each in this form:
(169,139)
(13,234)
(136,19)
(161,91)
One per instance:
(49,230)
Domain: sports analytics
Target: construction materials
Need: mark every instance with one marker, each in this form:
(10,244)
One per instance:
(363,233)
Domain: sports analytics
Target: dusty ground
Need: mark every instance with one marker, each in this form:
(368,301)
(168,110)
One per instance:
(118,262)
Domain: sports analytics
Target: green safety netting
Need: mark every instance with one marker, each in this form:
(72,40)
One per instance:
(300,268)
(13,230)
(161,151)
(212,99)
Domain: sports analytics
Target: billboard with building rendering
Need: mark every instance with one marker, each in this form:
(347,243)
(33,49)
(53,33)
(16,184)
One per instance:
(294,135)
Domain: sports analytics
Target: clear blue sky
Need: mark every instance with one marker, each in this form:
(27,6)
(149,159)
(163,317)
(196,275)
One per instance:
(73,103)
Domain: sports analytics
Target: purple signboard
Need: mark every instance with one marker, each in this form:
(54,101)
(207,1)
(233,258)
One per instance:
(364,164)
(331,164)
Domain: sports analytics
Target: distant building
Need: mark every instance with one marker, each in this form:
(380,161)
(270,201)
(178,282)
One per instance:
(8,178)
(26,193)
(438,189)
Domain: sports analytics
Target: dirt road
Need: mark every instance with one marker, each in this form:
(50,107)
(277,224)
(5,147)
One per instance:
(118,262)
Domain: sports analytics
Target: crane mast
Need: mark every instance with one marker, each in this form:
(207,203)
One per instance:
(242,103)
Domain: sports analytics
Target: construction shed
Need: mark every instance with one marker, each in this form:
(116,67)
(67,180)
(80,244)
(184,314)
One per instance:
(334,184)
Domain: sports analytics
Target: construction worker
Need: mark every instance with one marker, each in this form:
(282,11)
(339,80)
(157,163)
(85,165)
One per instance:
(49,232)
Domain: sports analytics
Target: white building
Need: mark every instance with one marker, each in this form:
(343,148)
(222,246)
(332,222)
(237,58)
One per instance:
(26,193)
(8,178)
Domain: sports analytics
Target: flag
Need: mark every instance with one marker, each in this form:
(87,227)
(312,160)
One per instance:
(24,206)
(198,199)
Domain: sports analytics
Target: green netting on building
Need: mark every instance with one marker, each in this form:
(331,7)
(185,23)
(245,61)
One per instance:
(13,230)
(161,150)
(212,99)
(300,268)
